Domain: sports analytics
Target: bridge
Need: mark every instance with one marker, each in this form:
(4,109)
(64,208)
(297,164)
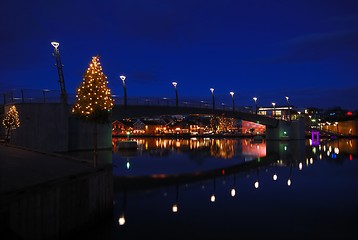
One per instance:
(276,129)
(138,111)
(51,121)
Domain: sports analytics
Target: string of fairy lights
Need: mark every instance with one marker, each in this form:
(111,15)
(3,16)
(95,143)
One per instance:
(11,120)
(93,95)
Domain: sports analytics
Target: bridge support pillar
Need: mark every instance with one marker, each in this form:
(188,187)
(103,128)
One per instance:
(293,130)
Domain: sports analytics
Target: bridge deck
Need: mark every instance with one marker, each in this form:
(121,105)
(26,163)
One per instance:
(133,111)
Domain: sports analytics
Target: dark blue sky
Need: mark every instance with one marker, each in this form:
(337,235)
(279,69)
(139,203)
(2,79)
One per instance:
(305,49)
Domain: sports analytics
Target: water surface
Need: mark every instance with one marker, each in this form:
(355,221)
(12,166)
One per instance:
(315,195)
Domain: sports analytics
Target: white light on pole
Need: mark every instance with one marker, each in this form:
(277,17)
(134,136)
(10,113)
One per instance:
(289,109)
(61,78)
(123,78)
(55,44)
(233,101)
(255,100)
(213,98)
(176,93)
(274,111)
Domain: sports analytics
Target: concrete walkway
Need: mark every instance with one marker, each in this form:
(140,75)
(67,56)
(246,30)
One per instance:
(21,168)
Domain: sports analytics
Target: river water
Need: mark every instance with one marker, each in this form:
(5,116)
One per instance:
(234,188)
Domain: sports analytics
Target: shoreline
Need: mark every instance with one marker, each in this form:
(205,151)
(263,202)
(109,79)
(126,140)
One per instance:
(307,136)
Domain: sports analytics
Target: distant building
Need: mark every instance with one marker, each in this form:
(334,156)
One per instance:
(150,126)
(122,127)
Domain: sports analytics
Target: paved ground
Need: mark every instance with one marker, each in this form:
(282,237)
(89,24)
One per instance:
(21,168)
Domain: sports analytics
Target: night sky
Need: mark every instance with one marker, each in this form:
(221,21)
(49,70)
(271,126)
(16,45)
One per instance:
(304,49)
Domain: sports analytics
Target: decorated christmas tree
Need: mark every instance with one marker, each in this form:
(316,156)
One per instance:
(94,101)
(11,120)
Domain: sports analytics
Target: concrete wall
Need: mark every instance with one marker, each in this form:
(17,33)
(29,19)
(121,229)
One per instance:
(51,127)
(42,126)
(294,130)
(81,135)
(54,210)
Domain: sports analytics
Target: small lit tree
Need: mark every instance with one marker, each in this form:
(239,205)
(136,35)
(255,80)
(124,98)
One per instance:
(11,121)
(93,100)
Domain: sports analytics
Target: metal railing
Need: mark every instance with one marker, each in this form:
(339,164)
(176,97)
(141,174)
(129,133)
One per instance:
(54,96)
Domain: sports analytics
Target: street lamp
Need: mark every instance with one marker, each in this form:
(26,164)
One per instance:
(255,99)
(61,78)
(212,95)
(274,111)
(123,78)
(176,93)
(233,101)
(289,109)
(44,94)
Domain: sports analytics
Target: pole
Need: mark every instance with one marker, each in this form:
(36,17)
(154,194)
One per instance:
(176,94)
(213,98)
(61,78)
(123,78)
(125,94)
(233,101)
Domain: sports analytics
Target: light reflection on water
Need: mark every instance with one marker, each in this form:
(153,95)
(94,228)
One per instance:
(176,156)
(287,190)
(239,190)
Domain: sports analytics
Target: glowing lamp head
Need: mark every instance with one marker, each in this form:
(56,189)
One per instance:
(255,98)
(212,90)
(232,94)
(257,184)
(55,44)
(175,208)
(273,104)
(286,98)
(123,78)
(175,84)
(274,177)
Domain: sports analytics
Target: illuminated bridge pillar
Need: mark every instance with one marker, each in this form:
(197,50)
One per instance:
(285,130)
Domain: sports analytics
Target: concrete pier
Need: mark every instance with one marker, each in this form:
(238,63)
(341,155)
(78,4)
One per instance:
(51,127)
(48,196)
(286,130)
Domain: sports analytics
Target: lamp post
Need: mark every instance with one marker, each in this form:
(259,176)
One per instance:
(176,93)
(233,101)
(274,111)
(123,78)
(255,99)
(61,78)
(289,109)
(44,94)
(212,95)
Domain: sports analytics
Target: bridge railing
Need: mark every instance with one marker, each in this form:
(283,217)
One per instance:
(152,101)
(31,96)
(54,96)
